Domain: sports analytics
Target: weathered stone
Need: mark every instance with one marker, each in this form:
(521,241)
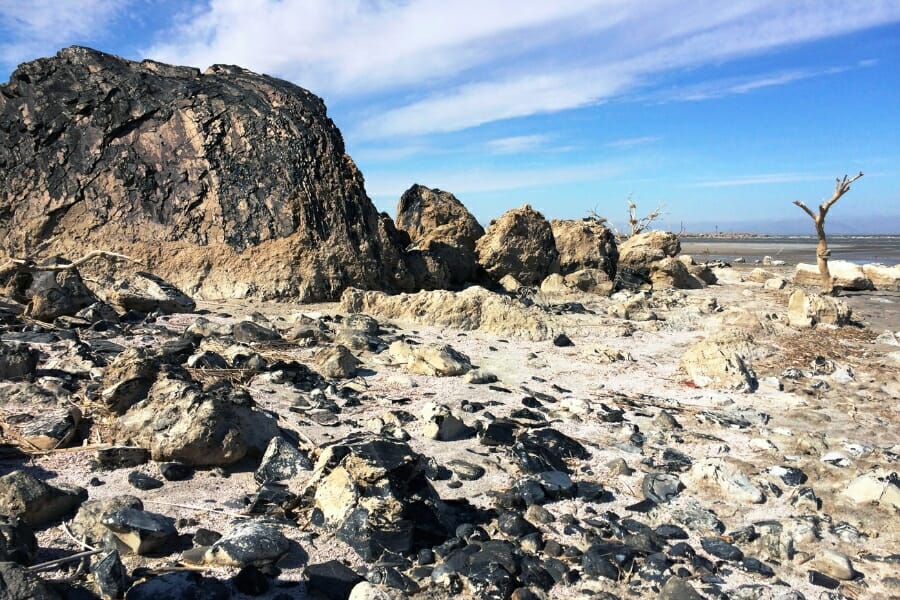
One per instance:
(732,483)
(846,275)
(585,244)
(248,543)
(520,243)
(591,281)
(760,275)
(672,273)
(46,430)
(721,361)
(440,228)
(430,359)
(110,575)
(121,457)
(17,583)
(282,460)
(836,564)
(53,294)
(87,524)
(883,278)
(638,252)
(677,588)
(138,531)
(248,332)
(143,481)
(201,219)
(35,502)
(17,361)
(471,309)
(175,471)
(17,541)
(660,487)
(128,378)
(178,421)
(546,449)
(148,293)
(808,310)
(466,471)
(332,579)
(180,584)
(337,362)
(98,311)
(441,424)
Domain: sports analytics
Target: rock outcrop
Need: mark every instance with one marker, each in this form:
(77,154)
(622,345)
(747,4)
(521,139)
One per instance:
(443,235)
(639,252)
(585,244)
(846,275)
(225,183)
(808,310)
(884,278)
(520,243)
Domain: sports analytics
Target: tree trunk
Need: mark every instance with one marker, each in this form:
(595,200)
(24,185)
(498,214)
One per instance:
(822,254)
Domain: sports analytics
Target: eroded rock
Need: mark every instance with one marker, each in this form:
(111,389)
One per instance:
(520,243)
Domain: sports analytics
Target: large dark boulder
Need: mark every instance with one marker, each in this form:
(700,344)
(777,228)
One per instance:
(225,183)
(442,233)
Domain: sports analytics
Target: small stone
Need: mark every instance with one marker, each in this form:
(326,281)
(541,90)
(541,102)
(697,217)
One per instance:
(442,425)
(144,482)
(618,466)
(35,502)
(721,549)
(181,584)
(539,514)
(176,471)
(806,498)
(671,532)
(110,575)
(368,591)
(282,460)
(752,565)
(499,432)
(138,531)
(479,377)
(562,341)
(18,583)
(466,471)
(17,541)
(514,524)
(122,457)
(661,487)
(665,421)
(247,332)
(332,579)
(251,581)
(205,537)
(822,580)
(789,475)
(835,564)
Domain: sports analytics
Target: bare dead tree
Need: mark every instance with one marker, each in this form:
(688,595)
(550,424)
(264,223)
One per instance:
(841,187)
(641,224)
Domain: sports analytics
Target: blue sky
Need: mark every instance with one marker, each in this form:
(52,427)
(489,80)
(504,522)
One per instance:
(723,112)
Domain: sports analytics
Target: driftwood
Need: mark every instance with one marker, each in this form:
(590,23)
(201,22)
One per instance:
(29,264)
(841,187)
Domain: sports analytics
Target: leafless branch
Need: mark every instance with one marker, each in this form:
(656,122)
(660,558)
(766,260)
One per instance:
(806,209)
(841,187)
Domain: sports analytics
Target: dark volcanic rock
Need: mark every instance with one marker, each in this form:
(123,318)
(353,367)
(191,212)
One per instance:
(17,541)
(17,361)
(181,584)
(110,576)
(144,482)
(138,531)
(225,183)
(35,502)
(16,583)
(332,579)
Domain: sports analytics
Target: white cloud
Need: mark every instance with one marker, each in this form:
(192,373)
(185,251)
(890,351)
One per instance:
(632,142)
(516,144)
(435,66)
(41,27)
(760,179)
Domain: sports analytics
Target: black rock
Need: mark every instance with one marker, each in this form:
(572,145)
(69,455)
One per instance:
(392,578)
(823,580)
(499,433)
(675,461)
(17,541)
(790,475)
(753,565)
(611,560)
(721,549)
(682,549)
(282,460)
(425,556)
(590,491)
(654,568)
(177,351)
(534,574)
(188,585)
(144,482)
(531,402)
(677,588)
(110,576)
(661,487)
(251,581)
(248,332)
(671,532)
(562,340)
(514,524)
(249,542)
(205,537)
(176,471)
(140,532)
(466,471)
(17,583)
(122,457)
(546,449)
(332,579)
(207,360)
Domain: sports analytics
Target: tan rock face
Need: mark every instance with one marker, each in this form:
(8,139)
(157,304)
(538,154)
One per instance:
(846,275)
(808,310)
(721,361)
(225,183)
(883,278)
(639,251)
(520,243)
(585,244)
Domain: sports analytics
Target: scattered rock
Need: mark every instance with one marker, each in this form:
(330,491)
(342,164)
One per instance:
(332,579)
(846,275)
(640,251)
(337,362)
(585,244)
(282,460)
(439,423)
(48,430)
(144,482)
(128,378)
(137,531)
(835,564)
(520,243)
(248,332)
(35,502)
(121,457)
(720,361)
(248,543)
(110,575)
(17,361)
(883,278)
(735,485)
(180,584)
(148,293)
(432,359)
(20,584)
(87,524)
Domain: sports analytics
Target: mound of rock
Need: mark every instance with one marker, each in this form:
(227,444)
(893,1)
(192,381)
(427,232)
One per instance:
(585,244)
(470,309)
(225,183)
(443,234)
(846,275)
(520,243)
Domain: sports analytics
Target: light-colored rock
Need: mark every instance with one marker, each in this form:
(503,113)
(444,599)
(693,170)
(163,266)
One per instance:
(442,425)
(146,293)
(555,284)
(808,310)
(369,591)
(470,309)
(846,275)
(759,275)
(337,362)
(430,359)
(775,283)
(883,278)
(670,272)
(639,251)
(585,244)
(836,564)
(732,483)
(592,281)
(721,361)
(519,243)
(871,488)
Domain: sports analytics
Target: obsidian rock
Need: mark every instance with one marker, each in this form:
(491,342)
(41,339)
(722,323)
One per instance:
(176,471)
(110,575)
(332,579)
(144,482)
(721,549)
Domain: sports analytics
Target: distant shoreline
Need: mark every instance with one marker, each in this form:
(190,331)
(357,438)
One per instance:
(800,236)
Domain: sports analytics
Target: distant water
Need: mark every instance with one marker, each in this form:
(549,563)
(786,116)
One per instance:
(795,249)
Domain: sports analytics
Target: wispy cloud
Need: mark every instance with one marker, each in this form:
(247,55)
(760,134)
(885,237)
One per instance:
(634,141)
(516,144)
(742,85)
(41,27)
(760,179)
(514,60)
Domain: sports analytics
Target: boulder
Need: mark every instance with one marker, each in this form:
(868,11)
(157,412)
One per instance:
(46,430)
(225,183)
(721,361)
(179,421)
(35,502)
(730,482)
(883,278)
(592,281)
(808,310)
(585,244)
(137,531)
(846,275)
(471,309)
(17,361)
(17,541)
(430,359)
(759,275)
(443,230)
(639,251)
(88,522)
(520,243)
(248,543)
(282,460)
(337,362)
(51,294)
(147,293)
(373,493)
(670,273)
(439,423)
(128,378)
(18,583)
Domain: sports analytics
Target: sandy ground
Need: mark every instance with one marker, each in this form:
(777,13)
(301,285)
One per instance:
(802,424)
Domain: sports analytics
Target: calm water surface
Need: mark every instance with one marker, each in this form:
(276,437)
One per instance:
(794,249)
